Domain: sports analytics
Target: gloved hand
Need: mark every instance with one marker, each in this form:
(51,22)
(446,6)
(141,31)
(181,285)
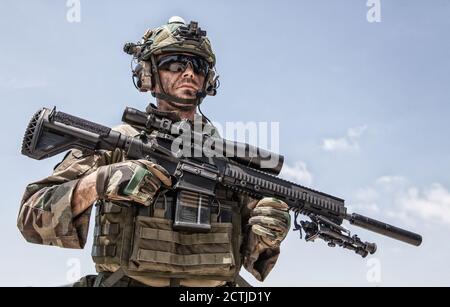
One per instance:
(270,221)
(133,180)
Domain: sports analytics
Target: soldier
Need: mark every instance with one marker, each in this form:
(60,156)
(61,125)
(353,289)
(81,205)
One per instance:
(135,243)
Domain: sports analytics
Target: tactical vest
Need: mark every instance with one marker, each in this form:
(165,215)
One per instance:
(142,242)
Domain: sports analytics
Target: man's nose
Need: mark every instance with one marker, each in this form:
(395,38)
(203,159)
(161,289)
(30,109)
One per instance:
(189,71)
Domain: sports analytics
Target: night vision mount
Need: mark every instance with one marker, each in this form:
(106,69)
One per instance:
(191,31)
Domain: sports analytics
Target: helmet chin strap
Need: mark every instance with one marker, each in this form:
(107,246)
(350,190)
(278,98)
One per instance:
(183,103)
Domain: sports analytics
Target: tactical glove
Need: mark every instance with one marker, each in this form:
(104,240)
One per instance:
(133,180)
(270,221)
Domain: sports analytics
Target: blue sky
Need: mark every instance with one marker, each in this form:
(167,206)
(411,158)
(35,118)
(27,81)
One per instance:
(363,112)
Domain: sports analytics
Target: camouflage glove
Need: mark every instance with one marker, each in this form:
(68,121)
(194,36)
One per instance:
(136,181)
(270,221)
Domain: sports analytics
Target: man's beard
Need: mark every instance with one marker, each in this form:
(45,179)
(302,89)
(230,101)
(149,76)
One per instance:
(188,93)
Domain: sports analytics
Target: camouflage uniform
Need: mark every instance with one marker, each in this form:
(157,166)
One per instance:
(46,216)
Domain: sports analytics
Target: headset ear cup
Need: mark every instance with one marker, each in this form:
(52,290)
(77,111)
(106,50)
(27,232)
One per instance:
(144,76)
(135,76)
(212,83)
(211,90)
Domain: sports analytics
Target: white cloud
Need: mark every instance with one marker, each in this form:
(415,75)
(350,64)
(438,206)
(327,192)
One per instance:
(433,203)
(341,144)
(399,215)
(349,143)
(391,181)
(297,173)
(392,184)
(356,132)
(396,198)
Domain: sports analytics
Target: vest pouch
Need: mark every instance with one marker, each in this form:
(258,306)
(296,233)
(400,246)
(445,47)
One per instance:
(114,229)
(192,212)
(160,250)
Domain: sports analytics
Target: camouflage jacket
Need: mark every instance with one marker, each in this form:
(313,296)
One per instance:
(46,217)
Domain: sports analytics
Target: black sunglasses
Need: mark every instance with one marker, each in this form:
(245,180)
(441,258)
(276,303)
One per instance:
(179,63)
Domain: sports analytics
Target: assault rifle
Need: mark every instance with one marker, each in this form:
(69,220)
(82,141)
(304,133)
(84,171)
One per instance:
(196,177)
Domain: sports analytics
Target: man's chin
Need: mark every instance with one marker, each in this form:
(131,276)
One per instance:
(186,95)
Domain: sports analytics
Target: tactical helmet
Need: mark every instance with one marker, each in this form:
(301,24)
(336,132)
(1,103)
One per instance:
(173,37)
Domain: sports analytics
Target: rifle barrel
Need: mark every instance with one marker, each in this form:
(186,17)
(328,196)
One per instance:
(384,229)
